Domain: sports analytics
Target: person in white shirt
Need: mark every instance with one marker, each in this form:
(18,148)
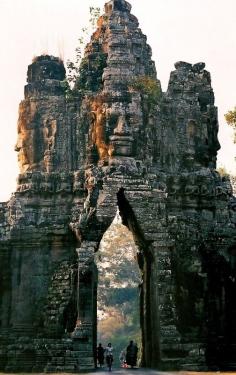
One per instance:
(109,355)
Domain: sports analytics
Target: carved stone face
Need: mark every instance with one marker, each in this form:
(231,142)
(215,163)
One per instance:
(22,147)
(29,143)
(208,146)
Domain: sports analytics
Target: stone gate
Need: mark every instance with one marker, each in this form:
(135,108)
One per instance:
(117,139)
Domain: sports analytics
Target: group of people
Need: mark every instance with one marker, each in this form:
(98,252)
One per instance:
(105,353)
(128,356)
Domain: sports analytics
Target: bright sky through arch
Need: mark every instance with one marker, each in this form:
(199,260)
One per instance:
(188,30)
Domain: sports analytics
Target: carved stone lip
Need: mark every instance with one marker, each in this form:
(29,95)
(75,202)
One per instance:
(121,138)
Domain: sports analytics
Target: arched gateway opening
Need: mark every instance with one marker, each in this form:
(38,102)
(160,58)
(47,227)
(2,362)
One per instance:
(144,259)
(119,294)
(118,291)
(221,310)
(142,327)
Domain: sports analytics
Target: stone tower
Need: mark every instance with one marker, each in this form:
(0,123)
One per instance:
(117,140)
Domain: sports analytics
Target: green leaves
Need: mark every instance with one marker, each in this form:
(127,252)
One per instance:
(90,72)
(230,118)
(73,68)
(95,13)
(148,87)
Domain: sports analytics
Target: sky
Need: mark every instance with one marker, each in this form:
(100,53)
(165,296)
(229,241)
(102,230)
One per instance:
(186,30)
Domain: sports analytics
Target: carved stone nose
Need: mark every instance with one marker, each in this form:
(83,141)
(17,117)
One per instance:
(18,145)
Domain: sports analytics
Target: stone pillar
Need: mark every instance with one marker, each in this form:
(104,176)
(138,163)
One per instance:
(84,335)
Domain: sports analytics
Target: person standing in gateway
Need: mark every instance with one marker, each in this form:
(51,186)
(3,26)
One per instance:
(100,355)
(109,356)
(131,354)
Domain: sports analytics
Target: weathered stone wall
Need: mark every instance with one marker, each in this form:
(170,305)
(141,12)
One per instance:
(117,140)
(46,122)
(188,109)
(233,182)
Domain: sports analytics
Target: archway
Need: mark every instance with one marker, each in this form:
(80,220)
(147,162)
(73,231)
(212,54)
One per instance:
(221,309)
(148,299)
(119,285)
(230,311)
(151,257)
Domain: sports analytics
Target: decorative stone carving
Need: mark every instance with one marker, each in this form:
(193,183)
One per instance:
(232,207)
(27,135)
(122,141)
(97,133)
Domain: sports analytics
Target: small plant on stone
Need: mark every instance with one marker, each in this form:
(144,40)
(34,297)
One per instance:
(67,89)
(73,67)
(148,87)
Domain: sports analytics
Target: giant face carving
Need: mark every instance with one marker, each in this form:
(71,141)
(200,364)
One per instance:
(23,139)
(29,141)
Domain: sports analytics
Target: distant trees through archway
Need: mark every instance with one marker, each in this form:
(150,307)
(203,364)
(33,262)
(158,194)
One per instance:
(119,281)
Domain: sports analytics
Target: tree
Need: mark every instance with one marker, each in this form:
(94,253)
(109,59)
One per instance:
(73,68)
(230,118)
(223,171)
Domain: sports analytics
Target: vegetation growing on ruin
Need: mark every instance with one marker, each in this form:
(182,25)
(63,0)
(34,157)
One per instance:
(73,67)
(83,74)
(230,118)
(67,89)
(90,73)
(148,87)
(223,172)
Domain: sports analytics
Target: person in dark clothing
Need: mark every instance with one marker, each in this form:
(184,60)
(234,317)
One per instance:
(100,355)
(131,354)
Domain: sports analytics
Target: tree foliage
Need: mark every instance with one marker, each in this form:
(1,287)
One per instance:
(148,87)
(90,73)
(223,172)
(73,67)
(230,118)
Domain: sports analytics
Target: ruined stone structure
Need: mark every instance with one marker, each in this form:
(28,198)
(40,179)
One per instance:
(117,139)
